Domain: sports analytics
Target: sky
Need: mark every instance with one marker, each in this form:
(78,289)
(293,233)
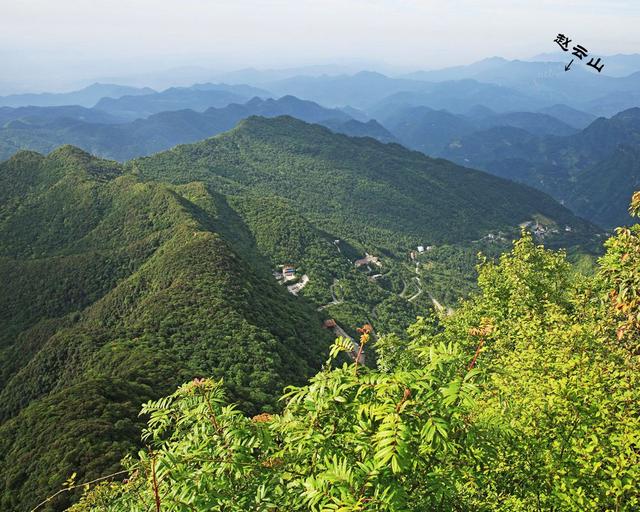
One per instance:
(49,44)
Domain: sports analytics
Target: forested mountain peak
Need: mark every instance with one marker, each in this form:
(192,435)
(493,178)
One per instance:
(396,196)
(73,160)
(31,172)
(23,156)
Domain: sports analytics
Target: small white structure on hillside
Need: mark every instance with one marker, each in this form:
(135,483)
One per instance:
(368,259)
(288,273)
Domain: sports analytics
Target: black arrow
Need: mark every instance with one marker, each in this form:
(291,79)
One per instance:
(566,68)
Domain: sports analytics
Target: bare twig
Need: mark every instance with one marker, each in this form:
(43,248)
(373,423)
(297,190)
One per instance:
(72,487)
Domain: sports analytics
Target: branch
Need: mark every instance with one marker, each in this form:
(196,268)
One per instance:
(70,488)
(154,480)
(475,357)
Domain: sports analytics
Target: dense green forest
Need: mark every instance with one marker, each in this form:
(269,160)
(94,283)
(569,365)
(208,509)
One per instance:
(376,195)
(525,399)
(115,291)
(122,281)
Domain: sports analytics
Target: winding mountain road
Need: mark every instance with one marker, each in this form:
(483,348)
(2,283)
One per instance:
(334,300)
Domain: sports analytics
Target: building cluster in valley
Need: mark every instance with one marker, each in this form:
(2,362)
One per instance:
(493,237)
(287,274)
(540,229)
(368,260)
(297,287)
(419,250)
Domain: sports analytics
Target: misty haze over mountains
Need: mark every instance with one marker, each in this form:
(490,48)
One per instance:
(524,81)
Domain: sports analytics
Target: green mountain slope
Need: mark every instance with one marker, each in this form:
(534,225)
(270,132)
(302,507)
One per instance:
(374,195)
(601,190)
(321,201)
(114,291)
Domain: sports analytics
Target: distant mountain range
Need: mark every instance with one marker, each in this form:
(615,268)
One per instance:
(360,90)
(430,131)
(459,96)
(586,163)
(41,115)
(41,130)
(615,65)
(86,97)
(199,97)
(371,92)
(571,116)
(582,87)
(507,117)
(500,84)
(594,171)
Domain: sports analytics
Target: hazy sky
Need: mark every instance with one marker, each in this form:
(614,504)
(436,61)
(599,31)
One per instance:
(59,41)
